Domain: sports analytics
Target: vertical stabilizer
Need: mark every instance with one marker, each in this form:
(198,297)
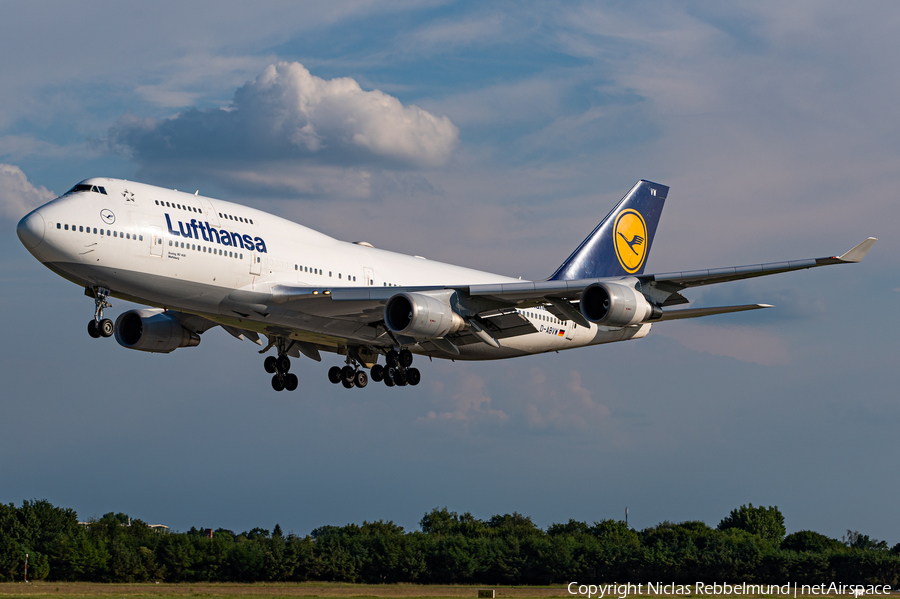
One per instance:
(620,244)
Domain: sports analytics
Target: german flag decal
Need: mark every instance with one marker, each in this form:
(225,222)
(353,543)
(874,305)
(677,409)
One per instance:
(561,333)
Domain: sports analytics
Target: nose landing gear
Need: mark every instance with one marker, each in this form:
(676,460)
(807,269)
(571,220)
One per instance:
(99,326)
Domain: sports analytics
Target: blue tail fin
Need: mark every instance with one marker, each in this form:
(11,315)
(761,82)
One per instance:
(620,244)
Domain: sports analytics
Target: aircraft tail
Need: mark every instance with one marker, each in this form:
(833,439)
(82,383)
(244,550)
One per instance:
(620,244)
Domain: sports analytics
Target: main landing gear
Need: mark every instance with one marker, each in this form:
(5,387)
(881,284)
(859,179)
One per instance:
(280,366)
(99,326)
(398,372)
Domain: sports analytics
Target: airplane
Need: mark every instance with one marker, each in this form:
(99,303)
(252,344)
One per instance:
(199,262)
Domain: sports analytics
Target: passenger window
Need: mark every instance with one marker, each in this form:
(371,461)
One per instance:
(128,235)
(81,229)
(67,227)
(168,204)
(242,256)
(339,275)
(220,215)
(141,238)
(95,230)
(251,221)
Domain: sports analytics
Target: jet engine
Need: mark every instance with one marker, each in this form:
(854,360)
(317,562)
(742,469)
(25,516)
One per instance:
(616,305)
(420,315)
(152,330)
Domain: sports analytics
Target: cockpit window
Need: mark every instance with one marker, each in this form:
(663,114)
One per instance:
(83,187)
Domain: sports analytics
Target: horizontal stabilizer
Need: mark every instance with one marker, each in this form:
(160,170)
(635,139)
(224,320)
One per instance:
(698,312)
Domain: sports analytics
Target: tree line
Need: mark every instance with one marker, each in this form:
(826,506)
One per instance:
(748,545)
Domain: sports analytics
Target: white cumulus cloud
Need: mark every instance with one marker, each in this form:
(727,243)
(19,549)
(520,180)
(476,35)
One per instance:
(288,115)
(18,196)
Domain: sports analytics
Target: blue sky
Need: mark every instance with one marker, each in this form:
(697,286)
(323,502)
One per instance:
(510,130)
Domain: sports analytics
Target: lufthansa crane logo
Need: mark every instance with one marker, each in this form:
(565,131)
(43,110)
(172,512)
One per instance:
(107,215)
(630,240)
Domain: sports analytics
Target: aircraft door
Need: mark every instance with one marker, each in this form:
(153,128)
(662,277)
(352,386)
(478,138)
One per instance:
(156,240)
(255,264)
(370,275)
(570,331)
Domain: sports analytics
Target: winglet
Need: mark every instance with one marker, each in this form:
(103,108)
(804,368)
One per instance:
(859,252)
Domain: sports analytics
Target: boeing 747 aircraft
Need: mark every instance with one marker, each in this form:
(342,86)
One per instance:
(200,263)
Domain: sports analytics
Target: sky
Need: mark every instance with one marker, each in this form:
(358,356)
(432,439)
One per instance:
(496,136)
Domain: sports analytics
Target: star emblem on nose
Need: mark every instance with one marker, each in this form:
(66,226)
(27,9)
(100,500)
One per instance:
(129,196)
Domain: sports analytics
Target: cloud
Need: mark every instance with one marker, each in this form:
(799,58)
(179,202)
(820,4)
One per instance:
(286,118)
(18,197)
(565,406)
(469,404)
(748,344)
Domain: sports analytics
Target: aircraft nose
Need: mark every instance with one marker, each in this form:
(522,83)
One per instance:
(31,230)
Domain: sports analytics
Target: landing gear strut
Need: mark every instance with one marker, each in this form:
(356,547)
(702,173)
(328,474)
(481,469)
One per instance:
(399,371)
(99,326)
(396,373)
(279,367)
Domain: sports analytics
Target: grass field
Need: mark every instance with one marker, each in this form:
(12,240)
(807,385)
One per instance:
(78,590)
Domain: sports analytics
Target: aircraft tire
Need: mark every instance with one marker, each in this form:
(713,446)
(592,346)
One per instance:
(388,381)
(348,384)
(277,384)
(106,328)
(361,379)
(377,373)
(393,359)
(269,364)
(283,364)
(400,378)
(334,374)
(291,382)
(406,358)
(413,376)
(347,373)
(92,329)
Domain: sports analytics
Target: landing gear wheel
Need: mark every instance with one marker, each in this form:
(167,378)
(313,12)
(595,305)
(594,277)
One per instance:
(347,374)
(400,378)
(413,376)
(388,381)
(393,359)
(269,364)
(277,383)
(406,358)
(334,374)
(377,373)
(92,329)
(106,328)
(283,364)
(291,382)
(347,384)
(361,379)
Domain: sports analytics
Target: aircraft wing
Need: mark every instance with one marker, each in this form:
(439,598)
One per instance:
(664,288)
(493,307)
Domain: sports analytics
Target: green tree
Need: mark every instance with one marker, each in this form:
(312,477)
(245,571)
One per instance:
(807,540)
(765,522)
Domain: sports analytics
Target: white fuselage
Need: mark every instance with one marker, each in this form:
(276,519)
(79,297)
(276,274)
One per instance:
(190,253)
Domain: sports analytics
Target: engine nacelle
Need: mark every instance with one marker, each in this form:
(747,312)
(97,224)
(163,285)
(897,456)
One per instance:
(422,316)
(152,330)
(615,305)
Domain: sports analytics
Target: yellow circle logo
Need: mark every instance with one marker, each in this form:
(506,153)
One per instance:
(630,233)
